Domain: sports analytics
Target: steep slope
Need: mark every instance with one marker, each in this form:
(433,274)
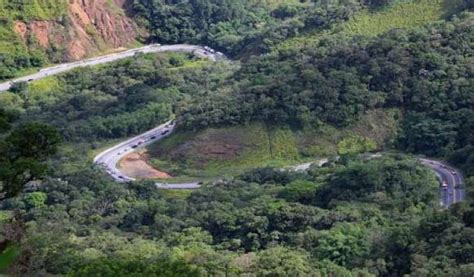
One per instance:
(37,32)
(87,26)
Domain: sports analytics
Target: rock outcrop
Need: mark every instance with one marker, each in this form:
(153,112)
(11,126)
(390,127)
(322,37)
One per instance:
(90,26)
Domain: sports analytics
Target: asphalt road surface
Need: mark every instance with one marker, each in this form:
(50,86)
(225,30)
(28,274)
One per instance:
(109,158)
(202,51)
(451,182)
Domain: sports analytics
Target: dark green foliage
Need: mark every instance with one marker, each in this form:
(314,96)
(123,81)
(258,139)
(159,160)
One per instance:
(237,27)
(142,267)
(118,101)
(354,217)
(142,231)
(22,156)
(402,184)
(425,73)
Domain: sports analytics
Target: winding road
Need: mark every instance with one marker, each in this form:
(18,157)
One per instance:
(451,180)
(201,51)
(109,158)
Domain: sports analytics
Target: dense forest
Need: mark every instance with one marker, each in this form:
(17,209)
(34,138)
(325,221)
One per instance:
(292,65)
(426,73)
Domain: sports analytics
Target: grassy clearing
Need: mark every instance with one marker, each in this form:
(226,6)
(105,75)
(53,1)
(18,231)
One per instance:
(229,151)
(403,15)
(33,9)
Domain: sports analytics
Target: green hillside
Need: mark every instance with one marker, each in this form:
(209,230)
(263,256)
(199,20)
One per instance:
(372,22)
(33,9)
(18,57)
(305,81)
(229,151)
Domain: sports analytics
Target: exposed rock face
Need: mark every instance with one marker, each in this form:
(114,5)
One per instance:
(90,26)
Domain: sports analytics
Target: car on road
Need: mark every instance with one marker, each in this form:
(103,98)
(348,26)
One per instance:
(444,185)
(165,132)
(135,146)
(453,172)
(153,137)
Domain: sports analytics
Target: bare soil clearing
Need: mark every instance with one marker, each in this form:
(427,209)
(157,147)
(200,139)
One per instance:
(135,165)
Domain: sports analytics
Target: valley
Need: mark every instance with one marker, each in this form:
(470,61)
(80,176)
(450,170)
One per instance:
(236,138)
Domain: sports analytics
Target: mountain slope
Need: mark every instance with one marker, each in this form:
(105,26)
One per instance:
(52,31)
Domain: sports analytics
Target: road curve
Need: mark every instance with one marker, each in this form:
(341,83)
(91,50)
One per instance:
(202,51)
(109,158)
(451,182)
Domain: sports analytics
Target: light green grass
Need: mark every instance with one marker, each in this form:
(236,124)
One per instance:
(45,91)
(403,15)
(259,145)
(406,15)
(33,9)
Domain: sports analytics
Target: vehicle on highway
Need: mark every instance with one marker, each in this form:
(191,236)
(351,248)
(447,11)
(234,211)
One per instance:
(140,142)
(165,132)
(453,172)
(153,137)
(444,185)
(443,166)
(135,146)
(29,80)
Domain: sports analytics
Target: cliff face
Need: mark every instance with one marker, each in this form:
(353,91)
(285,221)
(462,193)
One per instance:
(90,26)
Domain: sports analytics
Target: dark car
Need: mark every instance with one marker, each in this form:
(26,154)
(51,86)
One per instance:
(153,137)
(134,146)
(165,132)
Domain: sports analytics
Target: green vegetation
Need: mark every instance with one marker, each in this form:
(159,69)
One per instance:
(230,150)
(240,27)
(33,9)
(18,57)
(405,90)
(405,15)
(335,83)
(375,21)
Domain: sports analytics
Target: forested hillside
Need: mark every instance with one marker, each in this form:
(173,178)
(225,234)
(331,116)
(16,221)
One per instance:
(306,80)
(35,33)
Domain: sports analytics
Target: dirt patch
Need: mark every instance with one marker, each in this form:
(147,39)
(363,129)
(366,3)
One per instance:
(213,145)
(135,165)
(21,29)
(91,26)
(41,31)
